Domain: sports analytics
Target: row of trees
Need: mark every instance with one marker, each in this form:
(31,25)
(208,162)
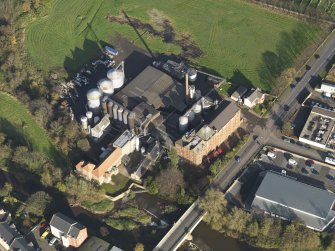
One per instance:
(169,182)
(264,231)
(316,13)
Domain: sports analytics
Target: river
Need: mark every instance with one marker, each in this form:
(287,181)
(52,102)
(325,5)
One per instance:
(207,239)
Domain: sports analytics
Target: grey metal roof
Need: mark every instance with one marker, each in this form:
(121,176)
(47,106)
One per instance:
(20,244)
(293,200)
(123,139)
(226,112)
(241,90)
(61,222)
(75,229)
(8,233)
(154,87)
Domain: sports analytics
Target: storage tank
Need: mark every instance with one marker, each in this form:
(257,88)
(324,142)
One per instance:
(104,105)
(190,116)
(125,117)
(197,94)
(89,116)
(192,91)
(110,108)
(83,120)
(192,74)
(93,98)
(137,143)
(115,107)
(197,108)
(131,120)
(183,123)
(96,119)
(106,86)
(119,113)
(117,78)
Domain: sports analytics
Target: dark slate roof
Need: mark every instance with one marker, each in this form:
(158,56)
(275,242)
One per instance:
(288,198)
(20,244)
(222,116)
(61,222)
(154,87)
(75,229)
(8,233)
(241,90)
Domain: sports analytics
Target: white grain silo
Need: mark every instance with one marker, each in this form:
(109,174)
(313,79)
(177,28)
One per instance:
(197,108)
(115,108)
(110,108)
(119,113)
(89,116)
(93,98)
(190,115)
(131,120)
(192,74)
(192,91)
(137,143)
(83,120)
(117,76)
(183,123)
(106,86)
(125,117)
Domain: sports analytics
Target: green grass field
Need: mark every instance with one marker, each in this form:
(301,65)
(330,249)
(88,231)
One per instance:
(19,125)
(240,41)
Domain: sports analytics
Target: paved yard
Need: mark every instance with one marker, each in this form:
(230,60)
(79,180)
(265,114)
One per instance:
(305,170)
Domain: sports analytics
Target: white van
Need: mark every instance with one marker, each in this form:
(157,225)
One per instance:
(271,155)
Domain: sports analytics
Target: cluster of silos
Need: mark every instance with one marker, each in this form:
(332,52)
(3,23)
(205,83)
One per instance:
(86,121)
(106,87)
(116,76)
(121,114)
(93,100)
(190,117)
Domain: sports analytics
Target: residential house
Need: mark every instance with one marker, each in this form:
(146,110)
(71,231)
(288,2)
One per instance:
(10,238)
(255,97)
(70,232)
(238,94)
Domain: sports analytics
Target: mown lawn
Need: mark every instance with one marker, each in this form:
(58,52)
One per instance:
(239,40)
(119,183)
(19,125)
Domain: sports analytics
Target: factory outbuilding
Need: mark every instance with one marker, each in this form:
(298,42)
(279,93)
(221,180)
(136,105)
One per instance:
(103,172)
(292,200)
(319,129)
(219,125)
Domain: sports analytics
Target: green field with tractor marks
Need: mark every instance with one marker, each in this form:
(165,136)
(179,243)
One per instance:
(237,40)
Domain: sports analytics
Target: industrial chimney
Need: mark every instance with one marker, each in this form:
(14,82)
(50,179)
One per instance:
(186,87)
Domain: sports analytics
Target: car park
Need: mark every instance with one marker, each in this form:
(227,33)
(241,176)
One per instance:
(292,162)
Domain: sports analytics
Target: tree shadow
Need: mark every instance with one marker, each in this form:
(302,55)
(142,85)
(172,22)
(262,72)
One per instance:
(79,56)
(239,78)
(288,48)
(15,133)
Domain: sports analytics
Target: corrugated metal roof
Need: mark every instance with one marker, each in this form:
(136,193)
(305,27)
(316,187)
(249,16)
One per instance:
(292,200)
(155,88)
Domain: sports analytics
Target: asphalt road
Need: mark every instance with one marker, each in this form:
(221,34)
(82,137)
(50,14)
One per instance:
(287,102)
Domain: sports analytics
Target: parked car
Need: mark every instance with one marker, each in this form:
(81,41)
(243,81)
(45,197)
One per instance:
(271,155)
(292,162)
(44,234)
(52,241)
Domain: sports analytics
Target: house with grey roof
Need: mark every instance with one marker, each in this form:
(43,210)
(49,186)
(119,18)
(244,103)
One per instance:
(289,199)
(70,232)
(10,237)
(239,93)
